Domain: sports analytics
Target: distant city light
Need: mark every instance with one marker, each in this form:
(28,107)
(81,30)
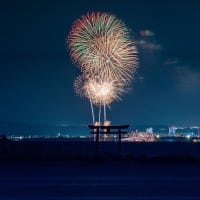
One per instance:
(188,136)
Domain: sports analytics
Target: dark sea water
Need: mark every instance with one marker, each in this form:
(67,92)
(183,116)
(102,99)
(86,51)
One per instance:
(98,179)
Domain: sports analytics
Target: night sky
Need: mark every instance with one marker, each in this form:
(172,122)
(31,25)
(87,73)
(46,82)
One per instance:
(37,74)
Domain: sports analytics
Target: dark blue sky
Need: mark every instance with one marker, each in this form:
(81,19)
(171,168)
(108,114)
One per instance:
(36,73)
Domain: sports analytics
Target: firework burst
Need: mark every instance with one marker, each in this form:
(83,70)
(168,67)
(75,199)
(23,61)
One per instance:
(101,45)
(100,92)
(78,86)
(103,92)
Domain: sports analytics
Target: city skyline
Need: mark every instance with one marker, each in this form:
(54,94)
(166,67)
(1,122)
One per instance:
(37,73)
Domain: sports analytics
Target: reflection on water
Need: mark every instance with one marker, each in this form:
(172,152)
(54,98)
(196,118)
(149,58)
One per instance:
(99,187)
(100,180)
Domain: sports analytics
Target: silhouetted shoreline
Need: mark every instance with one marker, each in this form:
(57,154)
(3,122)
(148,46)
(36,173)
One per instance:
(58,150)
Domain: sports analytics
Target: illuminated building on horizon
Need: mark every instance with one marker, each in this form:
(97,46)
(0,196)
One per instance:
(149,130)
(172,130)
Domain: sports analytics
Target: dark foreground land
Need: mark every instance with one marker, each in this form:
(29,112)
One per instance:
(71,170)
(61,150)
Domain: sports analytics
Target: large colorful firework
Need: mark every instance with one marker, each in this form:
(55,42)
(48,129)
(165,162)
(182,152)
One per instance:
(101,45)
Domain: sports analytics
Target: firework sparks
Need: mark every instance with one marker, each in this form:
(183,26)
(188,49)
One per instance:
(100,43)
(78,86)
(100,92)
(103,92)
(79,83)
